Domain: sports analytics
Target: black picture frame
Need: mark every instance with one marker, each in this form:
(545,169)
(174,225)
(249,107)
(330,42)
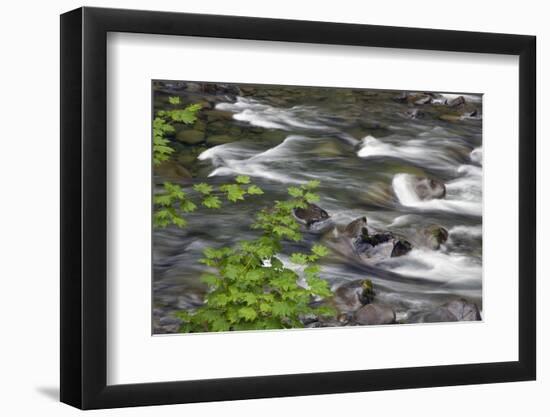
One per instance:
(84,207)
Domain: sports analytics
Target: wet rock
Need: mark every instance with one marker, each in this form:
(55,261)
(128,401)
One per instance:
(352,295)
(218,115)
(455,102)
(172,170)
(400,248)
(435,236)
(356,228)
(415,114)
(374,314)
(455,310)
(463,310)
(423,100)
(191,136)
(310,215)
(428,188)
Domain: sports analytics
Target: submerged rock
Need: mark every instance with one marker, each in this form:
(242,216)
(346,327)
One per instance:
(374,314)
(428,188)
(191,136)
(171,170)
(311,214)
(435,236)
(455,310)
(415,114)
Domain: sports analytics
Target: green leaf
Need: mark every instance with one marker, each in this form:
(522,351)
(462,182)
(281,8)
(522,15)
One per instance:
(311,197)
(242,179)
(299,258)
(319,250)
(212,202)
(233,192)
(281,309)
(255,190)
(210,279)
(311,185)
(174,100)
(247,313)
(295,192)
(203,188)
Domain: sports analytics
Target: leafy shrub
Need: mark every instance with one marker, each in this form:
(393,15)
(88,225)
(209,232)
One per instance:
(251,288)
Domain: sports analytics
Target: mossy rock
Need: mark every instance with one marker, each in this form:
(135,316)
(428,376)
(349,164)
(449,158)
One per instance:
(219,139)
(187,159)
(172,170)
(191,136)
(217,115)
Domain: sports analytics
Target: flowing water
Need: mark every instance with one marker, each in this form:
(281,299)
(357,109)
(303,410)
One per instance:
(366,152)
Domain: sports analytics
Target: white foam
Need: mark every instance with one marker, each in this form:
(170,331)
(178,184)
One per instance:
(422,151)
(269,117)
(436,265)
(461,196)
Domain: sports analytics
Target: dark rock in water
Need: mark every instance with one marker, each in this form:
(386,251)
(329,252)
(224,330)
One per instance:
(455,102)
(352,295)
(415,114)
(171,170)
(400,248)
(312,214)
(374,314)
(435,236)
(456,310)
(423,100)
(214,140)
(356,228)
(428,188)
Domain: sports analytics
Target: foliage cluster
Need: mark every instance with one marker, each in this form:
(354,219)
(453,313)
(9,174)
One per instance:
(251,288)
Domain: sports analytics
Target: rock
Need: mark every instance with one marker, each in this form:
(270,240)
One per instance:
(191,136)
(455,310)
(455,102)
(218,115)
(374,314)
(400,248)
(415,114)
(428,188)
(435,236)
(219,139)
(352,295)
(356,228)
(310,215)
(423,100)
(463,310)
(172,170)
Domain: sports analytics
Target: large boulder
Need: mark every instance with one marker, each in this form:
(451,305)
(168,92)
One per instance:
(374,314)
(311,214)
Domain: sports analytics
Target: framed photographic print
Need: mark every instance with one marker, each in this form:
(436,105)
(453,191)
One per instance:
(258,208)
